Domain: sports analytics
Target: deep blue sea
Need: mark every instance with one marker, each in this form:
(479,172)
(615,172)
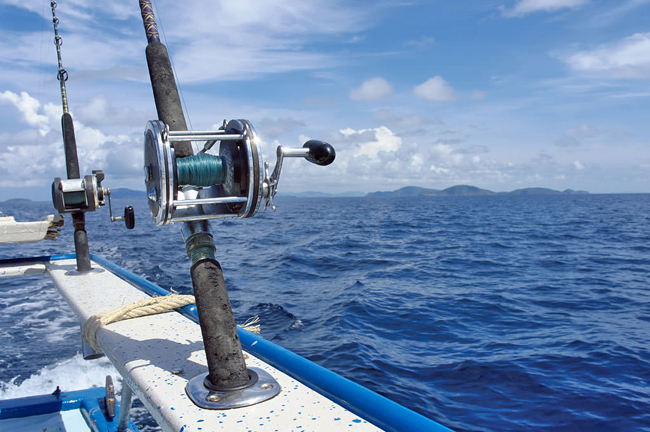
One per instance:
(494,313)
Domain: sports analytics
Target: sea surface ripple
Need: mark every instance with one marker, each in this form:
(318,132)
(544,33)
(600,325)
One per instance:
(494,313)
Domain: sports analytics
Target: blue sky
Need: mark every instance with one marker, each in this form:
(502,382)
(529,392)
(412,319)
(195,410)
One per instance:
(498,94)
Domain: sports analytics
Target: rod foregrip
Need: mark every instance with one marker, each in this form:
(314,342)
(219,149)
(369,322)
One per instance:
(165,93)
(226,365)
(70,147)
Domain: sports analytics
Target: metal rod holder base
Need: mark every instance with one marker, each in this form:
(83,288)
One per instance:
(260,388)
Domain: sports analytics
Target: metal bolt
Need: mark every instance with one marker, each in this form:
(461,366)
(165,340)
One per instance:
(213,397)
(266,386)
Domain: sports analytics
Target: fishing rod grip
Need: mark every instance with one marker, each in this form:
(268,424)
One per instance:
(165,93)
(226,364)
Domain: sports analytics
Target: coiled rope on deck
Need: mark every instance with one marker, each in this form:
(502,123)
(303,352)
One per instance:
(146,307)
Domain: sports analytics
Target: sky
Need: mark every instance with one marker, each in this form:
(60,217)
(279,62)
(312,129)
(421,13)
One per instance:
(499,94)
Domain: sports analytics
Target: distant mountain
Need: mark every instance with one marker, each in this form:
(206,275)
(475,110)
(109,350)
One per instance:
(462,190)
(119,193)
(18,200)
(466,190)
(408,191)
(545,191)
(405,192)
(535,191)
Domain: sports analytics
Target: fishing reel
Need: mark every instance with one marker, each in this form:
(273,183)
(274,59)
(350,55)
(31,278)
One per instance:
(78,195)
(86,195)
(232,183)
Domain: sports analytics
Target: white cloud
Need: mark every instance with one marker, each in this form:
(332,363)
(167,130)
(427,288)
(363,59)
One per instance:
(372,89)
(435,89)
(33,157)
(257,38)
(578,166)
(266,37)
(28,107)
(101,111)
(573,137)
(370,143)
(525,7)
(628,58)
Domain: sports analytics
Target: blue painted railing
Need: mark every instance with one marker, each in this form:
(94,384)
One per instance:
(88,402)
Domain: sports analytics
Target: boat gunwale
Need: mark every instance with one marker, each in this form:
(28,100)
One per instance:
(365,403)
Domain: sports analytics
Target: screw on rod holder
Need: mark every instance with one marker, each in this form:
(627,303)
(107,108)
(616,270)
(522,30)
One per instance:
(260,387)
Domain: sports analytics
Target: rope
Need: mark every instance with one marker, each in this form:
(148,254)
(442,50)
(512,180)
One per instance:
(146,307)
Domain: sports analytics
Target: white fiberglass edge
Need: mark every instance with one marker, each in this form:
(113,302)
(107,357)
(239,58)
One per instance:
(157,355)
(20,269)
(29,232)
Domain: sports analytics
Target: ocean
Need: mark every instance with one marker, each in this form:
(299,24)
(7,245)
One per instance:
(494,313)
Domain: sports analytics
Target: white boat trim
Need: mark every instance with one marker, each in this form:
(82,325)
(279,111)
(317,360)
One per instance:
(29,232)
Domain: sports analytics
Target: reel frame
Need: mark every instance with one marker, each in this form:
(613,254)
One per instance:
(239,196)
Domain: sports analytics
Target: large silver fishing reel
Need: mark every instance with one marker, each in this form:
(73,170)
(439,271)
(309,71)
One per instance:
(232,182)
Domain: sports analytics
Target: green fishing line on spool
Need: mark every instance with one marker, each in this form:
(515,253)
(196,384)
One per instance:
(74,199)
(201,170)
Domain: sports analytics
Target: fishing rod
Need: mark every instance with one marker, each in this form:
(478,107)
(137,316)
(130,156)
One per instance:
(226,180)
(77,196)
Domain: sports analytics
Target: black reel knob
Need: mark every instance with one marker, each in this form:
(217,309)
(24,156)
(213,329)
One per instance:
(320,152)
(129,217)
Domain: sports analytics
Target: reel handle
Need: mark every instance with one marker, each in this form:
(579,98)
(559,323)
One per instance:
(129,213)
(316,152)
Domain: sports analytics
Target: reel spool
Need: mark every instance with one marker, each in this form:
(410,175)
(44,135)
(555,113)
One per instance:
(203,186)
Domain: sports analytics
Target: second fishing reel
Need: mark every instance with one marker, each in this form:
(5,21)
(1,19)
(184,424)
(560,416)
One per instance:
(230,181)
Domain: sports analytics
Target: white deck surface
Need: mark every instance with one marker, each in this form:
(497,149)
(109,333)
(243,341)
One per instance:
(158,354)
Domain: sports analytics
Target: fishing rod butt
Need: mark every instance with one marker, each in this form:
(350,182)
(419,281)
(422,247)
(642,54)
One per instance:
(226,364)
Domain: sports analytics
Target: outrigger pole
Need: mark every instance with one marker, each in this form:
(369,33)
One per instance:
(226,365)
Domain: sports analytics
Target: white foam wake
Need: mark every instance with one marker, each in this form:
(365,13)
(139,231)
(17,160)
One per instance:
(71,374)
